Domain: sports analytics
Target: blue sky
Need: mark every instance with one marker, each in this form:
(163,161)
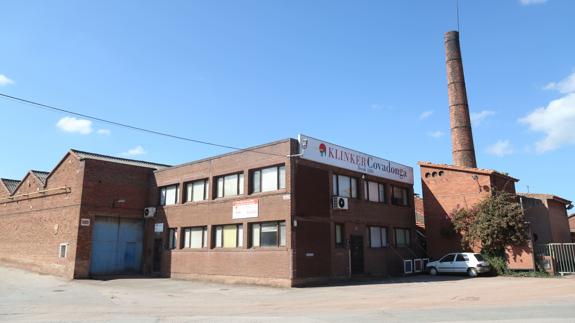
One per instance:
(368,75)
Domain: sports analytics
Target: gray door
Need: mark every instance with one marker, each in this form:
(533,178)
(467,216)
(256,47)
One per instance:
(116,246)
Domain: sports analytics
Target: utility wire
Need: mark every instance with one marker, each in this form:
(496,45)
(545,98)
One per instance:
(119,124)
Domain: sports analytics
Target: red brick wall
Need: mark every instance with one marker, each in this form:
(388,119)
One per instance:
(259,264)
(559,222)
(32,228)
(447,191)
(105,183)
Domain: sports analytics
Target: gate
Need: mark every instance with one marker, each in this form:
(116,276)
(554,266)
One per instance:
(116,246)
(556,257)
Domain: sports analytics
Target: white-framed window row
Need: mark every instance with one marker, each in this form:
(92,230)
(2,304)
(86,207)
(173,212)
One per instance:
(229,236)
(374,191)
(63,250)
(378,237)
(268,179)
(195,237)
(344,186)
(230,185)
(268,234)
(197,190)
(169,194)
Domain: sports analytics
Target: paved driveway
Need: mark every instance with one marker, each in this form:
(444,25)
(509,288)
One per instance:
(29,297)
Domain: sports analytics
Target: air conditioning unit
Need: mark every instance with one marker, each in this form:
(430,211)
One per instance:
(339,203)
(149,212)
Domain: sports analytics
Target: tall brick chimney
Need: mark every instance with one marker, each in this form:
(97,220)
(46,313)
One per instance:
(463,150)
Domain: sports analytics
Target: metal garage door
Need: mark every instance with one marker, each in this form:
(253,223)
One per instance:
(116,246)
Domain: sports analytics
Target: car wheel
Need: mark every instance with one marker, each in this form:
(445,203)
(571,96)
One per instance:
(433,271)
(472,272)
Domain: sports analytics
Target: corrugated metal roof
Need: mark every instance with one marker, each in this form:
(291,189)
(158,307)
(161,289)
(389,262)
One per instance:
(140,163)
(41,175)
(11,184)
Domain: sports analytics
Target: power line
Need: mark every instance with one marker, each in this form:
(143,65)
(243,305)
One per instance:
(119,124)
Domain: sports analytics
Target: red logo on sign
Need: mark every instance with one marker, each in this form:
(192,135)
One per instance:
(322,149)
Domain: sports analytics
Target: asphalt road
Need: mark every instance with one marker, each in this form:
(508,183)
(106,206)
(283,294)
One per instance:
(30,297)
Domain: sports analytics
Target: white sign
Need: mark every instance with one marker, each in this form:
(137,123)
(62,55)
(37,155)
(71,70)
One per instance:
(328,153)
(245,209)
(85,222)
(159,227)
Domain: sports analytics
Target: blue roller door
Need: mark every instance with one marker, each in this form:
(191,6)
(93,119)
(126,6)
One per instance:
(116,246)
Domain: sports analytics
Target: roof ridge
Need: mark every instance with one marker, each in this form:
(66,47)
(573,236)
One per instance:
(76,151)
(39,171)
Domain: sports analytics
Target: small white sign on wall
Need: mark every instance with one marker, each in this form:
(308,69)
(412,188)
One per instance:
(245,209)
(159,227)
(85,222)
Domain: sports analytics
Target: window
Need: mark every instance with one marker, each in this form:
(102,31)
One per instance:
(169,195)
(196,237)
(339,240)
(479,257)
(448,258)
(462,257)
(197,190)
(344,186)
(269,234)
(172,236)
(229,236)
(402,237)
(377,237)
(269,179)
(63,250)
(374,192)
(230,185)
(399,196)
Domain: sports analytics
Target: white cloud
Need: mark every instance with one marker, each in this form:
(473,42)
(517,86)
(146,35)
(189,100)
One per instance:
(4,80)
(500,148)
(478,117)
(73,125)
(556,121)
(566,85)
(104,132)
(436,134)
(425,114)
(136,151)
(531,2)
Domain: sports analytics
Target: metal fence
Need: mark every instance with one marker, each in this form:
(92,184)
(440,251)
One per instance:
(556,257)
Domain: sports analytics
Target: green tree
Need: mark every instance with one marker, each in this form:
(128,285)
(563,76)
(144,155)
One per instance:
(492,224)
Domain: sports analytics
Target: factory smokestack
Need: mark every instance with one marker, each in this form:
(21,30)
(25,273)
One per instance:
(461,136)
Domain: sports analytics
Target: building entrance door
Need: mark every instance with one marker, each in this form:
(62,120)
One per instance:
(117,246)
(356,249)
(157,259)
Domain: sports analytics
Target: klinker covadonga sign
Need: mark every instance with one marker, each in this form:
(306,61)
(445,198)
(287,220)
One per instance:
(327,153)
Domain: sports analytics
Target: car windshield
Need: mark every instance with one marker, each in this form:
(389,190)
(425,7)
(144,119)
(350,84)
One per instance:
(479,257)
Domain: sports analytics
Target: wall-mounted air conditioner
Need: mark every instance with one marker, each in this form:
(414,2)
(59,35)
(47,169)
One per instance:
(339,203)
(149,212)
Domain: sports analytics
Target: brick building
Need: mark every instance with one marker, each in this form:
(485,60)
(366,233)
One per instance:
(547,216)
(572,226)
(286,213)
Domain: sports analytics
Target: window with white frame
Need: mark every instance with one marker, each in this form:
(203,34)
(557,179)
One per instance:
(399,196)
(344,186)
(229,236)
(374,191)
(197,190)
(195,237)
(339,236)
(230,185)
(63,250)
(402,237)
(172,237)
(268,179)
(268,234)
(169,195)
(377,237)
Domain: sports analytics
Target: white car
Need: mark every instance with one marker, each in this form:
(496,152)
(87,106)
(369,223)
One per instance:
(465,262)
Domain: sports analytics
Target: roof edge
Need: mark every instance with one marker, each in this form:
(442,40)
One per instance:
(466,169)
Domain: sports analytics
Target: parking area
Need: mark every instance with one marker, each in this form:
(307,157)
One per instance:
(29,297)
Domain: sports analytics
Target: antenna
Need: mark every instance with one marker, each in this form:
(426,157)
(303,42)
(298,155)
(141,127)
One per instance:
(457,10)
